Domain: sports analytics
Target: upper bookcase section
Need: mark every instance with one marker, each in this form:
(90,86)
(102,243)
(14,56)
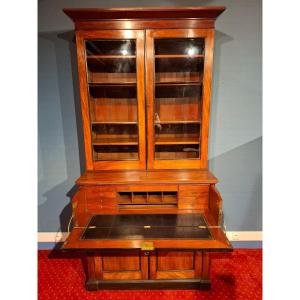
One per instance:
(141,18)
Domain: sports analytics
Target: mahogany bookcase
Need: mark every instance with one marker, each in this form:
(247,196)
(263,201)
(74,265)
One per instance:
(147,212)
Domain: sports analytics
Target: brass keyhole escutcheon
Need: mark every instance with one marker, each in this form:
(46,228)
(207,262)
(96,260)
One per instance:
(147,246)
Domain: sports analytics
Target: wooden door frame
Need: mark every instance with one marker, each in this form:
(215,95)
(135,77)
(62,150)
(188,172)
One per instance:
(151,34)
(138,35)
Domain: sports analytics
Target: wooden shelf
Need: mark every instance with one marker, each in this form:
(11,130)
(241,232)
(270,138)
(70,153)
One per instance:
(95,84)
(111,83)
(179,83)
(115,141)
(178,56)
(178,122)
(110,57)
(177,141)
(178,77)
(114,122)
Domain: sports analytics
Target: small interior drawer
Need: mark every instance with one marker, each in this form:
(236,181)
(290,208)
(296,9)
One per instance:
(190,189)
(193,196)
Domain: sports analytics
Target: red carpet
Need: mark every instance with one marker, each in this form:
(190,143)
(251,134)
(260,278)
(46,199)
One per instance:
(237,275)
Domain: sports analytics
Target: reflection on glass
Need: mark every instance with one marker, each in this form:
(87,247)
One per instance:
(111,74)
(110,47)
(179,46)
(179,65)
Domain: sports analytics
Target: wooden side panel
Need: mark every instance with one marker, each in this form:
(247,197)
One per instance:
(78,207)
(205,266)
(175,265)
(91,267)
(215,205)
(193,196)
(207,78)
(84,101)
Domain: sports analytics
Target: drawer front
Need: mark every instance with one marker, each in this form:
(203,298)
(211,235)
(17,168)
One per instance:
(100,198)
(193,196)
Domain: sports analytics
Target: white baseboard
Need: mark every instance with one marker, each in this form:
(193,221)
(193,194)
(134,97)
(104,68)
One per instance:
(242,236)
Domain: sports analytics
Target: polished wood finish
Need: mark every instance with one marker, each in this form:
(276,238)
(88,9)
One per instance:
(100,14)
(193,196)
(208,35)
(215,205)
(144,170)
(147,177)
(219,241)
(81,36)
(105,111)
(145,24)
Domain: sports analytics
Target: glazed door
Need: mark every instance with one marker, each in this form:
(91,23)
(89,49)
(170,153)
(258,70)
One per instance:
(178,76)
(111,74)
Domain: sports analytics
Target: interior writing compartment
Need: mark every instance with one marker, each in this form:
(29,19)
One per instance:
(138,198)
(132,231)
(148,196)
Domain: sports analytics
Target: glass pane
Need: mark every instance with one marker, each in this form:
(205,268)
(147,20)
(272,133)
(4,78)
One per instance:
(111,71)
(110,47)
(179,65)
(179,46)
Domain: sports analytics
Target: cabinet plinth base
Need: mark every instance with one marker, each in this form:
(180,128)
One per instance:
(187,284)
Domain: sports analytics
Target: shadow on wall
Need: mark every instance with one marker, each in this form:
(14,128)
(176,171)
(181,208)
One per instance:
(239,172)
(220,39)
(65,55)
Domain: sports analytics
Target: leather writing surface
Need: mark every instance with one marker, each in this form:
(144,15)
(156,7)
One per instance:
(154,226)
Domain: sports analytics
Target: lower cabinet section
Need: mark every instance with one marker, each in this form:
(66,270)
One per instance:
(127,265)
(175,265)
(158,269)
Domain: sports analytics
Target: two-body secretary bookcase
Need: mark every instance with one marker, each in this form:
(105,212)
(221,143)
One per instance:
(147,211)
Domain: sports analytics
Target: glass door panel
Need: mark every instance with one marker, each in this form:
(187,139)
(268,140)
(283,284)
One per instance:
(113,105)
(179,65)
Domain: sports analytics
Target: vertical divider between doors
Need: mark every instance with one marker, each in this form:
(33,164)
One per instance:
(140,54)
(146,98)
(149,49)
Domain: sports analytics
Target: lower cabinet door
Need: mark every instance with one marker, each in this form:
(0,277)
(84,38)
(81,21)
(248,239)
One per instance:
(119,265)
(143,265)
(176,264)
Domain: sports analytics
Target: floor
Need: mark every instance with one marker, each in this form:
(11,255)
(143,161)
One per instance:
(237,275)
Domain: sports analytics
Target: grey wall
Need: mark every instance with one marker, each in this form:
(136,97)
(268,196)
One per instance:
(235,134)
